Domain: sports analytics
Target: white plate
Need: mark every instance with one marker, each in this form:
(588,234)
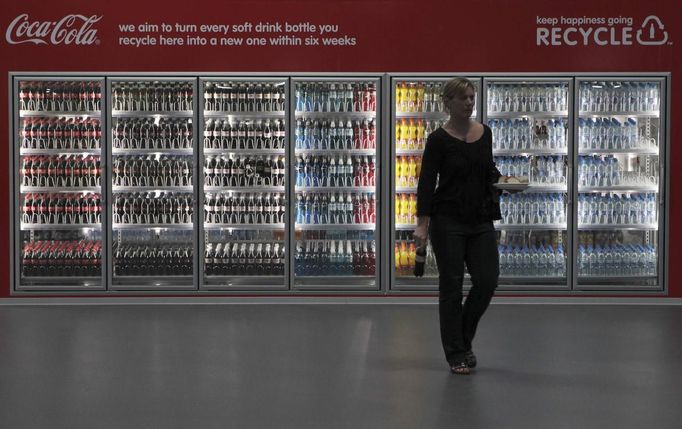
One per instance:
(512,186)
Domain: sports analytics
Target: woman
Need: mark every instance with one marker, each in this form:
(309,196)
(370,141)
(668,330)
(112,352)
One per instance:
(459,216)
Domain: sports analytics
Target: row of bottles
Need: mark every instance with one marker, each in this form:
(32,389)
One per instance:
(522,134)
(617,260)
(62,96)
(244,96)
(541,170)
(619,97)
(61,209)
(61,171)
(411,134)
(236,134)
(335,209)
(152,170)
(151,208)
(407,170)
(419,97)
(147,133)
(599,171)
(238,171)
(614,209)
(406,208)
(244,209)
(60,133)
(337,134)
(514,97)
(325,171)
(405,253)
(533,209)
(335,258)
(611,133)
(244,259)
(62,258)
(533,261)
(152,96)
(336,97)
(164,260)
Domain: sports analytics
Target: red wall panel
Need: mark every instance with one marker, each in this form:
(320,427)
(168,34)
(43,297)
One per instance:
(390,36)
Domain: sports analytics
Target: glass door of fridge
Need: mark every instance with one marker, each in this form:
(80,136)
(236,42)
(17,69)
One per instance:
(417,110)
(529,119)
(244,202)
(153,182)
(620,146)
(57,150)
(336,177)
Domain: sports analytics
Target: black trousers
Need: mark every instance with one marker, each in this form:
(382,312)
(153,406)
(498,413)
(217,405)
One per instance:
(455,244)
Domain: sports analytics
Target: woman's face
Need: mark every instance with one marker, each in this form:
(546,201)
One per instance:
(461,105)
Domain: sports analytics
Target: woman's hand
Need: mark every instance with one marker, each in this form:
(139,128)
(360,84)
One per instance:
(421,233)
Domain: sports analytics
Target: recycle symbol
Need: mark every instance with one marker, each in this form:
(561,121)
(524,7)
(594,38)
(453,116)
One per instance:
(652,32)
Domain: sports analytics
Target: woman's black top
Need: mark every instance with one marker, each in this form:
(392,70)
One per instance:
(465,173)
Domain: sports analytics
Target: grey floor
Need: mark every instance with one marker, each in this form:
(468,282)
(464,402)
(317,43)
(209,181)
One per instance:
(337,366)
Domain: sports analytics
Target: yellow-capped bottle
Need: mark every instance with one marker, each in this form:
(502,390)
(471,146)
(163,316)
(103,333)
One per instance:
(412,172)
(402,97)
(397,257)
(404,256)
(398,164)
(411,135)
(420,96)
(411,97)
(397,208)
(411,254)
(420,135)
(404,208)
(404,170)
(412,210)
(418,169)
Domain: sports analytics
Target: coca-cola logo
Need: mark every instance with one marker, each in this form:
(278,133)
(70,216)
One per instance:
(70,30)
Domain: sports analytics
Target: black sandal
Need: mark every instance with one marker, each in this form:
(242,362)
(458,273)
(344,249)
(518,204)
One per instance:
(470,359)
(460,368)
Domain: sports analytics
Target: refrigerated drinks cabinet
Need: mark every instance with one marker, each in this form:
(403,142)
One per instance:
(187,183)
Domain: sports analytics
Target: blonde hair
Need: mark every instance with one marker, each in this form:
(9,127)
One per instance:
(456,86)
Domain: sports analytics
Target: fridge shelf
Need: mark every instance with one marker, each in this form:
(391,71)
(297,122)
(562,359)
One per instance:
(529,227)
(125,226)
(152,113)
(58,227)
(254,189)
(621,226)
(323,189)
(244,151)
(535,115)
(418,152)
(410,189)
(336,227)
(634,114)
(257,241)
(333,115)
(183,151)
(636,151)
(241,226)
(53,114)
(118,189)
(529,151)
(405,226)
(244,115)
(336,151)
(63,279)
(615,279)
(622,188)
(546,188)
(425,115)
(165,277)
(97,152)
(60,189)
